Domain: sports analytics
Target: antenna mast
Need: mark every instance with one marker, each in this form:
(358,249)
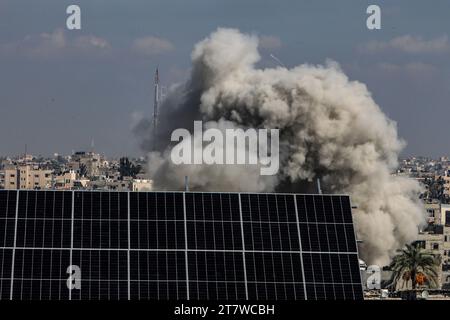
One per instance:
(155,108)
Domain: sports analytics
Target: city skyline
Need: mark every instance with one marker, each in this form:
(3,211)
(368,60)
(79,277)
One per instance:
(63,89)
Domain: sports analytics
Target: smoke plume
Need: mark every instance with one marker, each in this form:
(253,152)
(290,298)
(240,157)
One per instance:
(330,128)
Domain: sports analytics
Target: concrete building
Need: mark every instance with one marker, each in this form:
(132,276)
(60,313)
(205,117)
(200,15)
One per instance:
(433,241)
(25,158)
(88,163)
(141,185)
(65,181)
(27,177)
(446,183)
(80,184)
(436,238)
(445,214)
(2,179)
(446,259)
(433,210)
(126,184)
(110,185)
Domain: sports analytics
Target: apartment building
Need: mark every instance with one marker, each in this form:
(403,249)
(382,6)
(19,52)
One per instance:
(2,179)
(436,238)
(27,177)
(433,210)
(87,163)
(65,181)
(141,185)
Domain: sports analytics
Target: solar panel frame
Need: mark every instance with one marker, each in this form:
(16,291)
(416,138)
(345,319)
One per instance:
(279,233)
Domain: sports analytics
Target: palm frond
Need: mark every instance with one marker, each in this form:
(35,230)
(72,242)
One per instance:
(412,260)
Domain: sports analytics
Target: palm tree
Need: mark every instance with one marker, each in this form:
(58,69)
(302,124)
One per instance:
(127,168)
(415,264)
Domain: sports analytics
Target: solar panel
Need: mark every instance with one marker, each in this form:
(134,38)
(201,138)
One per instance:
(89,245)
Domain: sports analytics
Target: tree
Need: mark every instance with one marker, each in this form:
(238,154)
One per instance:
(415,264)
(435,189)
(83,170)
(128,169)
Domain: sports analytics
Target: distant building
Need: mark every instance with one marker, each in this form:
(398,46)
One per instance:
(81,183)
(445,214)
(2,179)
(446,183)
(433,210)
(89,162)
(436,238)
(111,185)
(433,241)
(141,185)
(27,177)
(26,158)
(65,181)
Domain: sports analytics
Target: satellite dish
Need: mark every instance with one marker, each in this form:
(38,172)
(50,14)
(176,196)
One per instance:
(425,294)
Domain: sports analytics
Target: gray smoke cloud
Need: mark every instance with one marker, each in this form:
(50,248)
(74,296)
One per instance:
(330,128)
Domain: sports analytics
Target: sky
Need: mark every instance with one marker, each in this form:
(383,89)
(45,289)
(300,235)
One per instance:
(63,90)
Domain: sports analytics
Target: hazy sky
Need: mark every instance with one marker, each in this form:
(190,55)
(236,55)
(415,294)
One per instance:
(60,89)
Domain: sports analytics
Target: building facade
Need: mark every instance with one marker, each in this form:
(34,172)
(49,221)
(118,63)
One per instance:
(27,177)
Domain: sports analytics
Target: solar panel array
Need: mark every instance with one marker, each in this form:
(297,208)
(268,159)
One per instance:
(176,245)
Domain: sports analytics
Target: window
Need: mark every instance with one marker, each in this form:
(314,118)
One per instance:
(447,218)
(435,246)
(420,244)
